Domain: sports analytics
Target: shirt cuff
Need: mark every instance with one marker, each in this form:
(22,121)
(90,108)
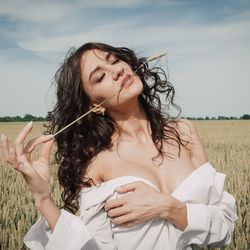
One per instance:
(69,233)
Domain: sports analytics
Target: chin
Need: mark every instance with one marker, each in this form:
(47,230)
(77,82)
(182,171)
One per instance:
(131,96)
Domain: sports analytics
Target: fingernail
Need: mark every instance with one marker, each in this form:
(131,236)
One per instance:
(49,137)
(30,124)
(11,150)
(3,137)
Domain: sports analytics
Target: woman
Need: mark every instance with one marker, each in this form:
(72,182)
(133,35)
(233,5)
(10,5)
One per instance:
(140,177)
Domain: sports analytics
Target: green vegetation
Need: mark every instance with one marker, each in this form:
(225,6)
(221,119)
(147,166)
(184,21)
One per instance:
(28,118)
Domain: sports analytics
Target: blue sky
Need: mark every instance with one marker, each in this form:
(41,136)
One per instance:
(208,45)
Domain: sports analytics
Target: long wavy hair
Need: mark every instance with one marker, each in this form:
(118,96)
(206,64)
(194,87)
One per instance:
(77,145)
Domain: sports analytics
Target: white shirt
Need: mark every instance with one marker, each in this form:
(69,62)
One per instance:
(211,213)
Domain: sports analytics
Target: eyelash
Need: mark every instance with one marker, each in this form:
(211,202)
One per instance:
(116,61)
(101,78)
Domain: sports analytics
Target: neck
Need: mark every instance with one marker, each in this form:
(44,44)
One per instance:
(133,124)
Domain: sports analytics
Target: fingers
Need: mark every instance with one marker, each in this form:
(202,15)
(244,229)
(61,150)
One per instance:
(4,145)
(128,188)
(115,203)
(30,145)
(21,137)
(5,148)
(20,155)
(23,164)
(122,200)
(9,153)
(123,219)
(36,141)
(46,151)
(118,211)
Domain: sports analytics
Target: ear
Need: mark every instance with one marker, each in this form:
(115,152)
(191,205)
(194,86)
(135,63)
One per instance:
(98,109)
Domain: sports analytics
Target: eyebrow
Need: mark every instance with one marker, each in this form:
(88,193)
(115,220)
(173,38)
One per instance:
(98,67)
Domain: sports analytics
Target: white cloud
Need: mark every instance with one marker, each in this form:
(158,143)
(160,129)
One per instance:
(206,60)
(181,39)
(36,11)
(61,43)
(46,11)
(113,3)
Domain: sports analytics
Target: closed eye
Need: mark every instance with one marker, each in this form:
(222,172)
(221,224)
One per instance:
(115,61)
(101,78)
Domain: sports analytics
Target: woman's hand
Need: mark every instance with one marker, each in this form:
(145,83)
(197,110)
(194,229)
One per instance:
(36,173)
(142,203)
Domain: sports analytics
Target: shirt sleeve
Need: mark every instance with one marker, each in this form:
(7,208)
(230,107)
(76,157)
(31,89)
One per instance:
(210,224)
(70,232)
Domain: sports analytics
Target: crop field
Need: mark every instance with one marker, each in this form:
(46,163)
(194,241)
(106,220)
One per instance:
(227,144)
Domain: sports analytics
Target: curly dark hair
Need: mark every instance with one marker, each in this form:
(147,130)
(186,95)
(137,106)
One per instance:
(77,145)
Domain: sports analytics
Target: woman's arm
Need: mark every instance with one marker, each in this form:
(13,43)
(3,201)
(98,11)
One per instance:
(55,229)
(210,224)
(48,210)
(36,173)
(202,224)
(188,132)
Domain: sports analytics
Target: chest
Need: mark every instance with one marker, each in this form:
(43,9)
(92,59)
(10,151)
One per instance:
(166,172)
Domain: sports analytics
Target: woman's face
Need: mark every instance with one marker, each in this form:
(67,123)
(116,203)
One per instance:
(103,75)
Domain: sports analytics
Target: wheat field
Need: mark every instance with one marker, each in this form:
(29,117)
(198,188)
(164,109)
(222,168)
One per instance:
(227,144)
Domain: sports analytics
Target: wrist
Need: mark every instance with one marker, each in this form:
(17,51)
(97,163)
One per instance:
(176,212)
(48,209)
(41,200)
(165,207)
(176,209)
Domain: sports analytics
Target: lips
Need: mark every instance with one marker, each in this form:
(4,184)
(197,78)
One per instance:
(127,80)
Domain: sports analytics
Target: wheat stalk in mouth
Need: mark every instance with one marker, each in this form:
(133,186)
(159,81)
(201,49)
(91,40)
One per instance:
(151,58)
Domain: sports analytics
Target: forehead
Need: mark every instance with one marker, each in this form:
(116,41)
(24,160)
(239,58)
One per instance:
(91,59)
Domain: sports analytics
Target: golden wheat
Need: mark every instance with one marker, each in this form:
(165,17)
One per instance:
(227,144)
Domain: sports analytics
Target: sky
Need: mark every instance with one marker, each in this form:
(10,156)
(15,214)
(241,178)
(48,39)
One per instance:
(208,46)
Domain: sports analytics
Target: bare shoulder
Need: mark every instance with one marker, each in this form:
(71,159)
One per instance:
(96,167)
(189,133)
(184,127)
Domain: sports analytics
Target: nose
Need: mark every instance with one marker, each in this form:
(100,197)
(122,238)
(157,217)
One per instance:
(118,72)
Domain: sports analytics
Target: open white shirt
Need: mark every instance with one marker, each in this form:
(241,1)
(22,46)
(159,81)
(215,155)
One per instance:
(211,213)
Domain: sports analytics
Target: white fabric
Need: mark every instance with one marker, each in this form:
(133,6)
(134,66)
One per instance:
(211,215)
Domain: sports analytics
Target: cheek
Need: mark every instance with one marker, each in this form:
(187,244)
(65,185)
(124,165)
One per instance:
(138,84)
(99,92)
(89,90)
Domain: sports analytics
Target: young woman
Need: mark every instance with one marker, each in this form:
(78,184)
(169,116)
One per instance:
(140,177)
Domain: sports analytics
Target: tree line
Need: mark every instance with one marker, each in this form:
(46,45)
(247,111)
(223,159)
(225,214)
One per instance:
(26,118)
(29,117)
(243,117)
